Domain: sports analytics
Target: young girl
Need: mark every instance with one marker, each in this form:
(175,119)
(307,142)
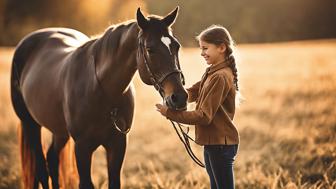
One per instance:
(215,97)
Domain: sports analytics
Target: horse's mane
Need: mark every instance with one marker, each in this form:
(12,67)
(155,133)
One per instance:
(109,41)
(111,27)
(128,23)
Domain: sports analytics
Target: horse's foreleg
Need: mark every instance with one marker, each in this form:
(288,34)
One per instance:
(53,158)
(84,150)
(115,152)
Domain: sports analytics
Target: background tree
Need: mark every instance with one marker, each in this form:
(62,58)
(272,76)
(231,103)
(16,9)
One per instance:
(249,21)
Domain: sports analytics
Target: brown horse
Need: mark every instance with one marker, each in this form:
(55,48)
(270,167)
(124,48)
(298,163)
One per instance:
(80,87)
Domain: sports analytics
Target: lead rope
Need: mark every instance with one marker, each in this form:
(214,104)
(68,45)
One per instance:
(184,138)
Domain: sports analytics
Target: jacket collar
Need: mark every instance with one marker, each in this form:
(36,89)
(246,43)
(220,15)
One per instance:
(213,68)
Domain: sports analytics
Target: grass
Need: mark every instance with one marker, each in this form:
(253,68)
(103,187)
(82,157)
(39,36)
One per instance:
(287,125)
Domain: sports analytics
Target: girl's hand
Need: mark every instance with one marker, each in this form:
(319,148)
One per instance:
(162,109)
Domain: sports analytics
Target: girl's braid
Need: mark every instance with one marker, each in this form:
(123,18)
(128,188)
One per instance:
(231,58)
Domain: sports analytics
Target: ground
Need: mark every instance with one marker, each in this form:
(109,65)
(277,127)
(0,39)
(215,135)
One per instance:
(286,121)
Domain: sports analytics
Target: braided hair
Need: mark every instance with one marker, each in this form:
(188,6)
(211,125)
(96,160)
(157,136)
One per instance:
(218,35)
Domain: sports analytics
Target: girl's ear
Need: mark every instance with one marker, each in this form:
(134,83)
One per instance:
(222,48)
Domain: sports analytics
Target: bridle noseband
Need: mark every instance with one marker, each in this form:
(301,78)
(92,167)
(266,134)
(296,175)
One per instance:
(157,82)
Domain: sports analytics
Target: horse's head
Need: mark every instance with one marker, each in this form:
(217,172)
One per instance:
(158,62)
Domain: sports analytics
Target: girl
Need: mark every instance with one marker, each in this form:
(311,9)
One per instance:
(215,97)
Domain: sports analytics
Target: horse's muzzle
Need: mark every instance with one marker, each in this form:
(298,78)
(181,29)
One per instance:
(177,101)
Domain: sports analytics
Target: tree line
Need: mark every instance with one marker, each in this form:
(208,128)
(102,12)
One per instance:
(248,21)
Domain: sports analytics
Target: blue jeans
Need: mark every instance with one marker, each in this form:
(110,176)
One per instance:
(219,165)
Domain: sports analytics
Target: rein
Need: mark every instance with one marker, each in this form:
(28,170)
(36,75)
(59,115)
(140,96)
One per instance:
(157,83)
(183,136)
(114,111)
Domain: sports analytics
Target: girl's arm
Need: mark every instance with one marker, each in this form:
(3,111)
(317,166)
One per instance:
(193,92)
(216,91)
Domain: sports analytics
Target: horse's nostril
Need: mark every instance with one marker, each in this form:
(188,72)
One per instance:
(174,98)
(178,99)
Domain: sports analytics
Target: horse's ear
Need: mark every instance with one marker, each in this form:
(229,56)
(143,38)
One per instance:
(141,20)
(170,18)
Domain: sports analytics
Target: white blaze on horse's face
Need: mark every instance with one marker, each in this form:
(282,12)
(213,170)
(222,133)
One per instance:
(167,42)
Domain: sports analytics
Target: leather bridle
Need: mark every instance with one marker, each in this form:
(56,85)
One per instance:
(157,82)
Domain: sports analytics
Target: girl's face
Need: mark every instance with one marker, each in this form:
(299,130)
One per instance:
(212,53)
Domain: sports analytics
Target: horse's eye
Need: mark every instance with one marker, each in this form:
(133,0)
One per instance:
(150,50)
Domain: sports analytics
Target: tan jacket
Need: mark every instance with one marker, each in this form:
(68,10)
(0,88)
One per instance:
(215,108)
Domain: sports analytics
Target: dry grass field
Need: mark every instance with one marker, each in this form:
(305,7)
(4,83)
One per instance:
(287,124)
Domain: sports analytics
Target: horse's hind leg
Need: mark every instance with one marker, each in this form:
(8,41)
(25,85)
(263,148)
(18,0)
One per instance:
(115,152)
(58,142)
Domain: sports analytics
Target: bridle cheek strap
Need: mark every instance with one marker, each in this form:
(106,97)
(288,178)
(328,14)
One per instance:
(157,83)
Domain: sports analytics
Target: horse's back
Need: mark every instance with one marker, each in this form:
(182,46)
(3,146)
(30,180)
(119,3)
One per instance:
(37,65)
(53,37)
(36,43)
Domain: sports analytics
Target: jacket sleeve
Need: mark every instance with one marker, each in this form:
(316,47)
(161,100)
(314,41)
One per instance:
(193,92)
(214,94)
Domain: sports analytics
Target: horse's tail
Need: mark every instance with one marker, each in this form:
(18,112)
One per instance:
(32,158)
(68,170)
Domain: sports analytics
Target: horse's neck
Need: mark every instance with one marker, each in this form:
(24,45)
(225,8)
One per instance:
(116,59)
